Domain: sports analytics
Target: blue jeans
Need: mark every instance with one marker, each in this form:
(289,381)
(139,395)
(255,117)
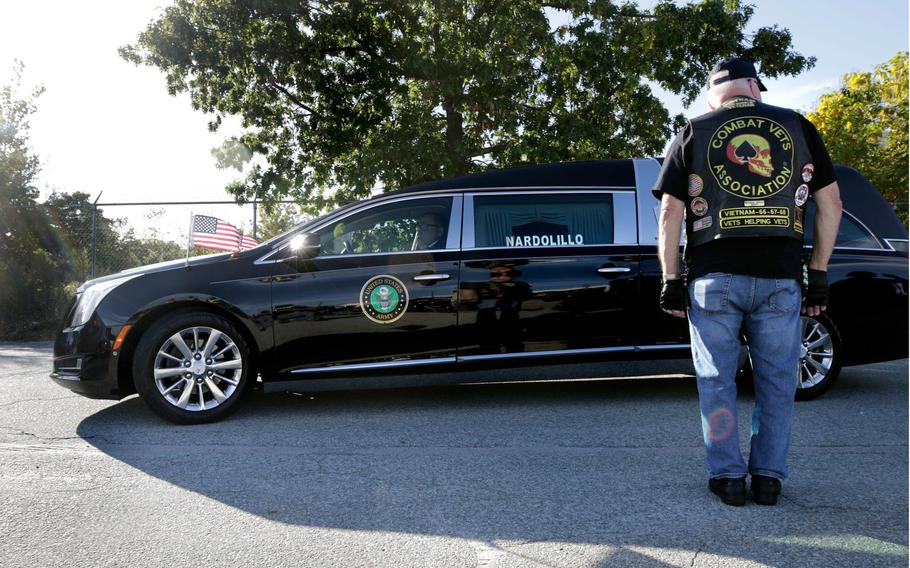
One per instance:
(766,310)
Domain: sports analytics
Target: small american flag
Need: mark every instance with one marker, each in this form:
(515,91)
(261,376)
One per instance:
(247,242)
(214,233)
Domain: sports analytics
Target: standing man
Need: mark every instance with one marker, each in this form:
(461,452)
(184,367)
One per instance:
(740,176)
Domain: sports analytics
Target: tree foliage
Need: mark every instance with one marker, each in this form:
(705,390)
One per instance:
(278,219)
(865,123)
(45,248)
(28,290)
(339,96)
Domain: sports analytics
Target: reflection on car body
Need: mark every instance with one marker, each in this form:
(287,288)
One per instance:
(530,265)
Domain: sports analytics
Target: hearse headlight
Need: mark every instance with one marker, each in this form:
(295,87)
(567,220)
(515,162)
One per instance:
(91,296)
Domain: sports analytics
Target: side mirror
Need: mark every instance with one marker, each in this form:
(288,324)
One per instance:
(304,245)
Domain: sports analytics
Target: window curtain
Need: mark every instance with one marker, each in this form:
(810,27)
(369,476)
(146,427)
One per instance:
(494,222)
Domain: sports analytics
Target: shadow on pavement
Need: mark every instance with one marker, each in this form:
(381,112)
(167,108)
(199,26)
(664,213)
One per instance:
(615,463)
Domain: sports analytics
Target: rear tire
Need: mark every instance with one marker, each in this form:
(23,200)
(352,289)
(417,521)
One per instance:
(820,360)
(192,367)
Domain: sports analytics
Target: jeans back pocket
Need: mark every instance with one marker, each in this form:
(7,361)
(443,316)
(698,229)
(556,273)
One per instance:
(786,296)
(710,293)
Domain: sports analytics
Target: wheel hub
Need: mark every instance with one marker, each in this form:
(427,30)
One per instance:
(198,368)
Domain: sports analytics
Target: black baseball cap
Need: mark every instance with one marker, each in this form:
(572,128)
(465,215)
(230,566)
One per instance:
(734,68)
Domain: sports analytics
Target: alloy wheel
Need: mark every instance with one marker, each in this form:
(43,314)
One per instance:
(816,353)
(198,368)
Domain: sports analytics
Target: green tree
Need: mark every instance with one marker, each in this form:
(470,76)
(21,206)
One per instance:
(338,96)
(30,289)
(278,219)
(864,125)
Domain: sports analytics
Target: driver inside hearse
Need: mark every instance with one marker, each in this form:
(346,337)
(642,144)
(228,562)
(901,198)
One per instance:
(387,230)
(429,234)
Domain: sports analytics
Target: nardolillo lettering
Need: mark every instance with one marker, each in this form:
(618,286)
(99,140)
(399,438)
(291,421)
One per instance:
(544,240)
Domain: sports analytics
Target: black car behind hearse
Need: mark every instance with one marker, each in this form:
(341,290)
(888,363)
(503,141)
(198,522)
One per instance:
(534,265)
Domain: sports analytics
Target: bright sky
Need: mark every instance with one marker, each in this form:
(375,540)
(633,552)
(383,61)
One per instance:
(106,125)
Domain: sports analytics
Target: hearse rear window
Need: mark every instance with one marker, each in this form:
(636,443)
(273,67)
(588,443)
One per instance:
(849,233)
(544,220)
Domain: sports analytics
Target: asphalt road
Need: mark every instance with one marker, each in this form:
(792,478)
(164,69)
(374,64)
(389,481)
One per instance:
(593,473)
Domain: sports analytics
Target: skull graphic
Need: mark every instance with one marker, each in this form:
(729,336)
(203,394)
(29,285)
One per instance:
(752,151)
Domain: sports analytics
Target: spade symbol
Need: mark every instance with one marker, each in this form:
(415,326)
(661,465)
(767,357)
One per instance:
(745,151)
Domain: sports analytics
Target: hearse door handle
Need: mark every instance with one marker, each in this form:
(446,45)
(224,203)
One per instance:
(613,269)
(430,277)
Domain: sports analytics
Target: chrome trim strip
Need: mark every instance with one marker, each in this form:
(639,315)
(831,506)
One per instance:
(467,223)
(369,204)
(361,254)
(381,200)
(667,347)
(613,269)
(862,226)
(847,249)
(381,365)
(625,221)
(65,376)
(646,172)
(524,248)
(453,239)
(493,356)
(545,353)
(430,277)
(562,190)
(890,242)
(468,241)
(865,228)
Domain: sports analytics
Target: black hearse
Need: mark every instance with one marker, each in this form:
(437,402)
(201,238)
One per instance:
(529,265)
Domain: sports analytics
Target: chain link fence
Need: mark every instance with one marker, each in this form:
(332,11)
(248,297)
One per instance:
(126,235)
(117,236)
(48,249)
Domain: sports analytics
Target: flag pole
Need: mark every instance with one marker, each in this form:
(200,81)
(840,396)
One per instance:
(189,241)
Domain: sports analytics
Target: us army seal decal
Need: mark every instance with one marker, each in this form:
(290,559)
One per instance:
(751,157)
(384,299)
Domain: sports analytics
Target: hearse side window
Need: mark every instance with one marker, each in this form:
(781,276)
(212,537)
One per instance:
(850,234)
(407,225)
(542,220)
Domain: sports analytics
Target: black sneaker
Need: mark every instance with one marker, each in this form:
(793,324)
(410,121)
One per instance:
(731,490)
(765,489)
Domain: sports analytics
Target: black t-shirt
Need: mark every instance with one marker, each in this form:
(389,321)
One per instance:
(768,257)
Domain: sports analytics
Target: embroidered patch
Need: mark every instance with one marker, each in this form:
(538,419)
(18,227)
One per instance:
(696,185)
(751,157)
(798,221)
(753,203)
(738,102)
(802,194)
(750,217)
(384,299)
(703,223)
(807,172)
(699,206)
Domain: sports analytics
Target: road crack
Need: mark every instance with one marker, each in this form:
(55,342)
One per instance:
(5,404)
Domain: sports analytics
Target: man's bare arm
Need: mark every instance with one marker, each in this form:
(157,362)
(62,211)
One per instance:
(827,221)
(672,211)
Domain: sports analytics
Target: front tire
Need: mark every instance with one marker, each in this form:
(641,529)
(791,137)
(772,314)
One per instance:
(192,367)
